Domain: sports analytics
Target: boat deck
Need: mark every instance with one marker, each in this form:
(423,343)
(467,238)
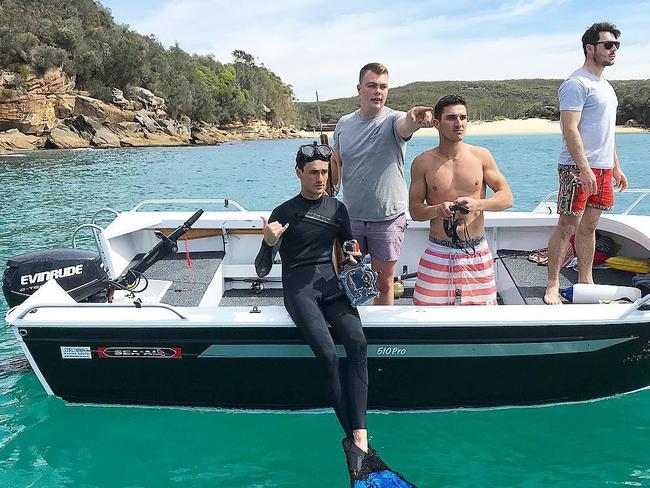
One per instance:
(186,291)
(530,278)
(188,285)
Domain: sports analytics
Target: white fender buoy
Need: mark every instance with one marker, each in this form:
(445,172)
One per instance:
(587,293)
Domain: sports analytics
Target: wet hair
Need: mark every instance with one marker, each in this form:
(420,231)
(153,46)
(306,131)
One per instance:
(592,35)
(446,101)
(376,68)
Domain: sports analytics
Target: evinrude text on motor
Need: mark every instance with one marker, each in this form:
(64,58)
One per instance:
(80,272)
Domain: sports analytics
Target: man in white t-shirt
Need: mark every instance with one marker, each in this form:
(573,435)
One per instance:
(588,162)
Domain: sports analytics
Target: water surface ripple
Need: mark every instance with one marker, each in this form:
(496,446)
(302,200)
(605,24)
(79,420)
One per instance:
(44,442)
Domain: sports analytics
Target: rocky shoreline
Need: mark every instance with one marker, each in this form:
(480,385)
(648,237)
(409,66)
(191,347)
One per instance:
(48,113)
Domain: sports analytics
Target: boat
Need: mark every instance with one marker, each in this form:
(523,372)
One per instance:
(207,332)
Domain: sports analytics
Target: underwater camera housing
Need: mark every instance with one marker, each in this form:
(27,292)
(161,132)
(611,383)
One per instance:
(79,272)
(359,282)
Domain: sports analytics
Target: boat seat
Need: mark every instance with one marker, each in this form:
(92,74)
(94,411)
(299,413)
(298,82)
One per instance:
(234,271)
(200,233)
(274,296)
(530,278)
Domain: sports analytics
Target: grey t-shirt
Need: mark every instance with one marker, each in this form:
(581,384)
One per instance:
(596,99)
(374,188)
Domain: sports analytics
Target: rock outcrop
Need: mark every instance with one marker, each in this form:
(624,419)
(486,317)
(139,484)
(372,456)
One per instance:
(64,105)
(65,137)
(14,140)
(257,129)
(206,134)
(99,135)
(99,110)
(176,129)
(54,80)
(148,99)
(33,104)
(123,103)
(47,112)
(30,114)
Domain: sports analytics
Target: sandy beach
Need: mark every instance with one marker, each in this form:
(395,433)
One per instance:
(502,128)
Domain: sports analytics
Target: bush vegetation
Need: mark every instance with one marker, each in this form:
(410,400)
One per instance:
(81,37)
(490,100)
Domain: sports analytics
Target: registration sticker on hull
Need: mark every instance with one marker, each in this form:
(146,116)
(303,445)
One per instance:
(76,352)
(139,352)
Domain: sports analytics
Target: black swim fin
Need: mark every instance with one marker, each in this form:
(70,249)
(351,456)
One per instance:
(367,470)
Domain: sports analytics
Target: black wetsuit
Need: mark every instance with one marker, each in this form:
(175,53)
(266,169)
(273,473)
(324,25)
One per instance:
(313,298)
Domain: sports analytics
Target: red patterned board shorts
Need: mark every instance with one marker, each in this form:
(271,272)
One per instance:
(445,272)
(572,199)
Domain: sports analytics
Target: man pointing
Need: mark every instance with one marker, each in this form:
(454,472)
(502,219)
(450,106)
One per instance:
(369,146)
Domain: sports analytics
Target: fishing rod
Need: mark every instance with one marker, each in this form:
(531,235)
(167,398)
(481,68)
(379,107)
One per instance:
(331,189)
(320,120)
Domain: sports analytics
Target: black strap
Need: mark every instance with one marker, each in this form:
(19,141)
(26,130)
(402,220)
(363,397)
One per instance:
(319,219)
(450,227)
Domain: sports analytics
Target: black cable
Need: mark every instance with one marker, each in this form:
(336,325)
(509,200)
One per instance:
(133,288)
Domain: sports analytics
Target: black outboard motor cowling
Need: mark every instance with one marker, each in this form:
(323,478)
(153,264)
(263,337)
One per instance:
(79,272)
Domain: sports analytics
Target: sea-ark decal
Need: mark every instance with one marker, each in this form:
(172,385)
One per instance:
(140,352)
(76,352)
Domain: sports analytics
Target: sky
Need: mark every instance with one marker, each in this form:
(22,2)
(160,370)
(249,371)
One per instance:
(321,46)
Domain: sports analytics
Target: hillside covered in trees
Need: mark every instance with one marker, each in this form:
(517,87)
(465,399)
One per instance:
(488,100)
(81,37)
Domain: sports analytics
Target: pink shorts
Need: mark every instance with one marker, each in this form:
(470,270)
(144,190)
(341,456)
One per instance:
(383,240)
(446,272)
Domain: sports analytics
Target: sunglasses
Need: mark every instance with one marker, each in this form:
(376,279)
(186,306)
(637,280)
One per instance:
(609,44)
(316,151)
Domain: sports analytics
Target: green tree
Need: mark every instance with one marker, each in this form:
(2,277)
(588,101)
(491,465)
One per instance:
(81,37)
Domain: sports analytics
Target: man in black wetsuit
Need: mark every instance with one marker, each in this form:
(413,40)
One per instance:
(303,229)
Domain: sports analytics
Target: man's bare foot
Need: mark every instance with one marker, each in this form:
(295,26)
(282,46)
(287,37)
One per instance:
(360,438)
(552,296)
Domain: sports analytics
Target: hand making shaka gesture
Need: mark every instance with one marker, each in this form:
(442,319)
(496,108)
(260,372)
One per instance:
(273,231)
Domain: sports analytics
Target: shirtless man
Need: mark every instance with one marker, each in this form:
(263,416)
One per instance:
(448,188)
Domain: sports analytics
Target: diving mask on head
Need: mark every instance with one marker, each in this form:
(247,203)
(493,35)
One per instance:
(359,282)
(313,152)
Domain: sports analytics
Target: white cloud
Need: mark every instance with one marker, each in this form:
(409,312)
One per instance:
(311,46)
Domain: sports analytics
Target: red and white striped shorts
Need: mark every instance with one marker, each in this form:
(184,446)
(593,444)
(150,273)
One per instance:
(445,272)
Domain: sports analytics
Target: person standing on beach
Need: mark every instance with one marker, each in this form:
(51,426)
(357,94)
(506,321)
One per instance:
(448,188)
(588,161)
(369,146)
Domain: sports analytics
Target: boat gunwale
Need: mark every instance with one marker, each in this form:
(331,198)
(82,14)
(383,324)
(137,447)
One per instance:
(277,316)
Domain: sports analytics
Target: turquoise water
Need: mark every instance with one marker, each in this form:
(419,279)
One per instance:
(44,442)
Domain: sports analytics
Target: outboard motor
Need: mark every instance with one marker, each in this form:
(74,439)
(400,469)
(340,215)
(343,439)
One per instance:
(79,272)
